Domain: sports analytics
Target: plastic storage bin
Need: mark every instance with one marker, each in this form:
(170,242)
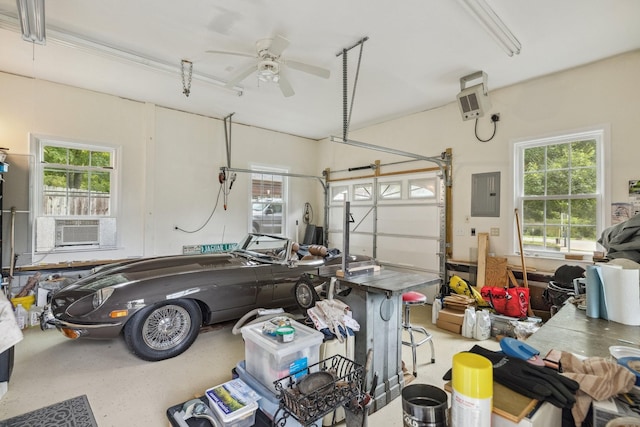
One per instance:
(269,402)
(234,403)
(268,360)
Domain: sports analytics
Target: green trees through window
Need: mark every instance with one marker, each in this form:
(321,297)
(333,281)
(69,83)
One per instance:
(559,194)
(76,181)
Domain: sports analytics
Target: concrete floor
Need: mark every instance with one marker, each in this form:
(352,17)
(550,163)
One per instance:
(126,391)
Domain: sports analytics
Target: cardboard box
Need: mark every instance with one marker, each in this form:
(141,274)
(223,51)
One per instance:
(452,327)
(451,316)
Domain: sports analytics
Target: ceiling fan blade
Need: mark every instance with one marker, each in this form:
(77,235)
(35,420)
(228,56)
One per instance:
(241,75)
(307,68)
(224,52)
(285,86)
(278,45)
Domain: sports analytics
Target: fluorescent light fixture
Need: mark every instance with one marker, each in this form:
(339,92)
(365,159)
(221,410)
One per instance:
(74,41)
(31,14)
(492,23)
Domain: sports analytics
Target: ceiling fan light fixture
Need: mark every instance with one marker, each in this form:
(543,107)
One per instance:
(268,71)
(31,16)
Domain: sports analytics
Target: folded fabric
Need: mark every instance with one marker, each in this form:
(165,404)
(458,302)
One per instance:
(599,379)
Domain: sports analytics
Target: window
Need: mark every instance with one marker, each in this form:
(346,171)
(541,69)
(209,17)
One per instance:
(75,180)
(558,192)
(390,190)
(339,194)
(362,192)
(423,188)
(268,202)
(74,195)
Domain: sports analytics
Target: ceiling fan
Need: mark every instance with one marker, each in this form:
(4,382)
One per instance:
(269,64)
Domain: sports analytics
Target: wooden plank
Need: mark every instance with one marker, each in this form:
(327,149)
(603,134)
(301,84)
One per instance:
(512,278)
(483,250)
(507,403)
(525,280)
(496,271)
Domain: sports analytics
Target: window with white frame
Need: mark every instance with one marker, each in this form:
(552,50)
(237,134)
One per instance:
(558,191)
(75,181)
(389,190)
(268,207)
(362,192)
(339,194)
(422,188)
(74,194)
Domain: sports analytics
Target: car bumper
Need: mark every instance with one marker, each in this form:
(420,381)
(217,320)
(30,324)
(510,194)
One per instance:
(73,329)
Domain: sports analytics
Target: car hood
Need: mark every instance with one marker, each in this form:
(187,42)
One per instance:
(148,268)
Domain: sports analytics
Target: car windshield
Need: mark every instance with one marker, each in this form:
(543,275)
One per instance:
(103,282)
(263,247)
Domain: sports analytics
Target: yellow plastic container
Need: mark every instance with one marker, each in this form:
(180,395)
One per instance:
(26,302)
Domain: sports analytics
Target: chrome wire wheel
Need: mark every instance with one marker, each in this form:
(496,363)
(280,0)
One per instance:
(166,327)
(305,293)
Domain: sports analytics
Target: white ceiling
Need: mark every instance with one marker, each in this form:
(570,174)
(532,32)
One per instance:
(415,55)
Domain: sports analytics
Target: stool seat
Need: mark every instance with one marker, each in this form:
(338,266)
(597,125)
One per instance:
(413,297)
(410,299)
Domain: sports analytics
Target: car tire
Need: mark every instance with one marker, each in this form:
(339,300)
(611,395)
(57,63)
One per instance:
(163,330)
(305,293)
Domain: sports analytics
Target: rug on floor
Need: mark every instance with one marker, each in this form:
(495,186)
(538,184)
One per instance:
(75,412)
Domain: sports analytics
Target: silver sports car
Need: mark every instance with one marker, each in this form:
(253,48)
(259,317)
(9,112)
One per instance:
(160,304)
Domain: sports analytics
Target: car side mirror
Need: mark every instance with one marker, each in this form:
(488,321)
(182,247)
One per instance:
(269,211)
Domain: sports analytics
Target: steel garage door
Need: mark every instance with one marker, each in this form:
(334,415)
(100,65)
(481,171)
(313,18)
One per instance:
(396,219)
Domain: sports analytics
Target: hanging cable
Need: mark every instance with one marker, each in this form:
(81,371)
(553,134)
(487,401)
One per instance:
(208,219)
(494,119)
(307,218)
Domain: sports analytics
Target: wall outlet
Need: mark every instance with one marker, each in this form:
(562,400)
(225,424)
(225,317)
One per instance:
(459,231)
(495,231)
(473,232)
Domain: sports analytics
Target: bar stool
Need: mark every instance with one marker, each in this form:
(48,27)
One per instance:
(410,299)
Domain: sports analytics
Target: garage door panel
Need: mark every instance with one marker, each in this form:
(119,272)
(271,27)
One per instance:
(409,220)
(336,217)
(414,253)
(363,218)
(359,244)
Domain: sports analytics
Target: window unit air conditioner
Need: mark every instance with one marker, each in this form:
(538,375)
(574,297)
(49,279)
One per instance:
(52,233)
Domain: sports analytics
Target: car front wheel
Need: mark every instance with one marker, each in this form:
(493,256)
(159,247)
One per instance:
(164,330)
(305,293)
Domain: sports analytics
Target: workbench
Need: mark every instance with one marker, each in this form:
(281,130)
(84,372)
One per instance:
(376,303)
(571,330)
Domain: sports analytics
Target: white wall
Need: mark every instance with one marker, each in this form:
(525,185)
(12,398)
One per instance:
(171,159)
(169,169)
(602,93)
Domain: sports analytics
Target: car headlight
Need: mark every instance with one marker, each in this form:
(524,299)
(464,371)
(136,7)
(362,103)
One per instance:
(101,296)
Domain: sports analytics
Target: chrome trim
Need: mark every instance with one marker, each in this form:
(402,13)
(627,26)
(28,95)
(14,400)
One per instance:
(63,324)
